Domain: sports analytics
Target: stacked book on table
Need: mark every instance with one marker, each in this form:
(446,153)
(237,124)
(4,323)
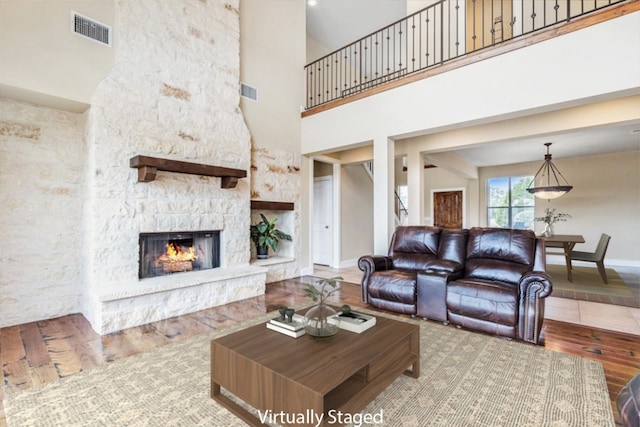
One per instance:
(294,329)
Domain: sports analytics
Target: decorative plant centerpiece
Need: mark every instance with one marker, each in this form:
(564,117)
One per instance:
(316,320)
(265,235)
(551,217)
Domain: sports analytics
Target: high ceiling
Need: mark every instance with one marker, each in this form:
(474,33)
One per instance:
(605,140)
(335,23)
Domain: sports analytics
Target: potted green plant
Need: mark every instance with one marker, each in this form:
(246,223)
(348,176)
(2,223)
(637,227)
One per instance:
(265,235)
(551,217)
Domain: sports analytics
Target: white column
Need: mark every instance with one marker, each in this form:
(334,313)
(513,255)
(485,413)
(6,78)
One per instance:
(415,184)
(337,219)
(383,179)
(306,207)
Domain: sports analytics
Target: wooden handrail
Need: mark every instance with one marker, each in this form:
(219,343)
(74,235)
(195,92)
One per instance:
(148,166)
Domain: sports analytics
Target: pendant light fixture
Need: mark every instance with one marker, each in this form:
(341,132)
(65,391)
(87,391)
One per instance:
(548,183)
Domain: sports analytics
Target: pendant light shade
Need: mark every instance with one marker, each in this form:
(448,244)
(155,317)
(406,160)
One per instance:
(548,183)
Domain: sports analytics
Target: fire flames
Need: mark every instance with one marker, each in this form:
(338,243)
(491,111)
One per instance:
(175,253)
(177,258)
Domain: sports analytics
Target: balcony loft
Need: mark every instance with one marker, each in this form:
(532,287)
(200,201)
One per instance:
(442,37)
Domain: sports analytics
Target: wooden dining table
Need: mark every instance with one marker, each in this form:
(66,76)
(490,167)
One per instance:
(566,242)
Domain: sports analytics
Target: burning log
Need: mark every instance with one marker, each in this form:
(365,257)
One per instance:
(176,259)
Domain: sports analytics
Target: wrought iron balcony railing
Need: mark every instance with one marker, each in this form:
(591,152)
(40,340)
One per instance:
(443,31)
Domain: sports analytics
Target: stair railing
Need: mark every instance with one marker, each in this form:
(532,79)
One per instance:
(440,32)
(401,211)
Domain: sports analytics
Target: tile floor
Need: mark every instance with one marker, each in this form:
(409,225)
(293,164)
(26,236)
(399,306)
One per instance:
(603,316)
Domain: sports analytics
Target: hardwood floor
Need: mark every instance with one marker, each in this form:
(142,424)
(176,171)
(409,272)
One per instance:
(39,352)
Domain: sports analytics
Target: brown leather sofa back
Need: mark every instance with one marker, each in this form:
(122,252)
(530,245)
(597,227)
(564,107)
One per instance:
(414,247)
(502,255)
(452,246)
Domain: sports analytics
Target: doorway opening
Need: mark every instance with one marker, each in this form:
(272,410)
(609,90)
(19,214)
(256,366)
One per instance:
(322,219)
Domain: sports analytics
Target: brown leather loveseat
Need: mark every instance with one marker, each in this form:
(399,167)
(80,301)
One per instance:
(487,279)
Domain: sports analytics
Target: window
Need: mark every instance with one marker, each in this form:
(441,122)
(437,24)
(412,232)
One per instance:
(509,204)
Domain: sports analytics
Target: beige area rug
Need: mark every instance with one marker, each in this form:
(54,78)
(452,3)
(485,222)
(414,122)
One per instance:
(587,279)
(467,379)
(587,285)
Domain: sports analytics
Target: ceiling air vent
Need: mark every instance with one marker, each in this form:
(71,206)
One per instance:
(90,28)
(248,92)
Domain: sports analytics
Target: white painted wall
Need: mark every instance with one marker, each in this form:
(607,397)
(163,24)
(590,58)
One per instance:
(315,50)
(356,198)
(272,57)
(605,199)
(41,60)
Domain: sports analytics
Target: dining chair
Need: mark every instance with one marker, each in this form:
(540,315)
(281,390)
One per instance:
(597,256)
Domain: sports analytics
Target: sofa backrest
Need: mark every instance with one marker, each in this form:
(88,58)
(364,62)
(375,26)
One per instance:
(500,254)
(453,245)
(414,247)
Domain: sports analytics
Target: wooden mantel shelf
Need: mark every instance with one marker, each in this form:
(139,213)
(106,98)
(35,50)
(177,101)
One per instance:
(148,166)
(272,206)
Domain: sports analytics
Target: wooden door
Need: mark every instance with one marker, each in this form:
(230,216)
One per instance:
(488,23)
(447,209)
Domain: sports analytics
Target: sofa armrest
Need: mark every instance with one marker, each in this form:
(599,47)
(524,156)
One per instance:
(370,264)
(445,266)
(538,279)
(431,295)
(628,403)
(533,288)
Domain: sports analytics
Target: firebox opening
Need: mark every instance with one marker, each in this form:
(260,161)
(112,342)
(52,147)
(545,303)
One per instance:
(168,253)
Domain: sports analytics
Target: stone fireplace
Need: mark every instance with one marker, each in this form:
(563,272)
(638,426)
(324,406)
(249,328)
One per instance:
(173,93)
(171,96)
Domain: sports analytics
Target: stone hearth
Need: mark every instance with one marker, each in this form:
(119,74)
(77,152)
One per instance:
(163,297)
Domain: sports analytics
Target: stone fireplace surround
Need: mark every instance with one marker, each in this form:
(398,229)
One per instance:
(172,93)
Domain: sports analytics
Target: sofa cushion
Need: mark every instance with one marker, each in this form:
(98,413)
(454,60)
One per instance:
(453,244)
(499,254)
(414,247)
(492,301)
(394,285)
(506,244)
(495,269)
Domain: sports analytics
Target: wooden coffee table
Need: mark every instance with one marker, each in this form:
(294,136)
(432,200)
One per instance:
(271,371)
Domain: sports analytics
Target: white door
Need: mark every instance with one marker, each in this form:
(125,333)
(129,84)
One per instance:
(322,220)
